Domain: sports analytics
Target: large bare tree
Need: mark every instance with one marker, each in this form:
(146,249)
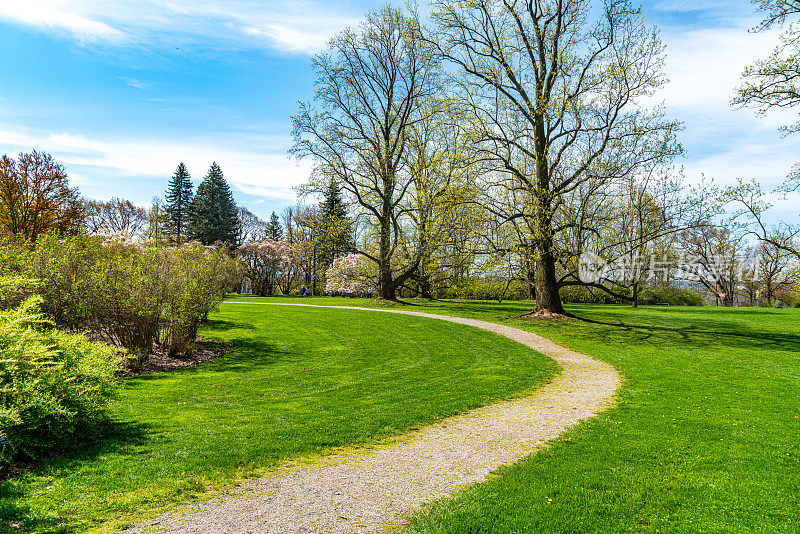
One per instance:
(372,85)
(558,101)
(115,216)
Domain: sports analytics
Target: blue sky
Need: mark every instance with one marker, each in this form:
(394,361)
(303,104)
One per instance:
(120,91)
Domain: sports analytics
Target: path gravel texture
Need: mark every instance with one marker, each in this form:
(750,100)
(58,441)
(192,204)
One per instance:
(370,490)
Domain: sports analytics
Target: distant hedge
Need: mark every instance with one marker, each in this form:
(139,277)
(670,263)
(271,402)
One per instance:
(675,296)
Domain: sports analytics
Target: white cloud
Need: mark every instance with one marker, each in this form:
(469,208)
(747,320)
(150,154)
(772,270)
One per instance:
(691,5)
(136,84)
(256,173)
(704,67)
(296,27)
(55,15)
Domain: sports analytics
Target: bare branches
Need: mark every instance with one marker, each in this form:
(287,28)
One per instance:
(555,103)
(373,86)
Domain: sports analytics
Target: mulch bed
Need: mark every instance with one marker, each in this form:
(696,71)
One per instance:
(205,350)
(541,314)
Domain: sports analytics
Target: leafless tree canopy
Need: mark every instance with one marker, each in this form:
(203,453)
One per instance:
(116,216)
(557,104)
(372,86)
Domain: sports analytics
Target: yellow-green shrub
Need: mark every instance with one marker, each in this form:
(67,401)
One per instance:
(54,386)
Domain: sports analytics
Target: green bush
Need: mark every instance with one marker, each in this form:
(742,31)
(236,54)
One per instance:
(675,296)
(135,294)
(198,279)
(672,295)
(55,385)
(484,289)
(588,295)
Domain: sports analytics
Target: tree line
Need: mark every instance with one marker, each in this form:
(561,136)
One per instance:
(509,139)
(494,144)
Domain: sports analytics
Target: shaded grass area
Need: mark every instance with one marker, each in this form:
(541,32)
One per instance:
(296,382)
(705,436)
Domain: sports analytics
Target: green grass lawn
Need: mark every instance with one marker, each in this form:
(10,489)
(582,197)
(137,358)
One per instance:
(705,436)
(297,381)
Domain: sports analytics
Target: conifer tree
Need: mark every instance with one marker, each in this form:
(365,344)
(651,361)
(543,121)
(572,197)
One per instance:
(179,198)
(336,229)
(214,216)
(275,229)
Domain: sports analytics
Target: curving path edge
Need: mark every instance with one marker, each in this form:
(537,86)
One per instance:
(367,491)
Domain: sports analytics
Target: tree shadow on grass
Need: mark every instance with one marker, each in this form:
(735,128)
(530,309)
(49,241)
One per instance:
(508,309)
(691,331)
(17,517)
(224,325)
(250,354)
(244,355)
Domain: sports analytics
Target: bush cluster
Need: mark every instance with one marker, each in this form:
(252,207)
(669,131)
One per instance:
(485,289)
(672,295)
(134,294)
(54,385)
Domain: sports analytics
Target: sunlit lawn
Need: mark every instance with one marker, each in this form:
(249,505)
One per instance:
(297,381)
(705,436)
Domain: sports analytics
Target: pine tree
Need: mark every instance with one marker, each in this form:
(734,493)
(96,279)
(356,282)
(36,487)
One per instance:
(275,229)
(336,228)
(214,216)
(179,198)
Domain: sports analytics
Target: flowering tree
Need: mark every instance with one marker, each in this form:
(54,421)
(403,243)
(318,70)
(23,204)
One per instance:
(267,264)
(350,275)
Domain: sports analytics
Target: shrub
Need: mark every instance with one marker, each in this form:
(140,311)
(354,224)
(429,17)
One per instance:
(198,278)
(135,294)
(485,289)
(55,385)
(588,295)
(675,296)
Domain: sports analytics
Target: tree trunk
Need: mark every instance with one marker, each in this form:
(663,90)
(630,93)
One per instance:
(636,295)
(386,287)
(424,286)
(531,276)
(547,297)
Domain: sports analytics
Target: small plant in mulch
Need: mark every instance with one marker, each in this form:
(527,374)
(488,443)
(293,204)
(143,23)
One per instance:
(159,360)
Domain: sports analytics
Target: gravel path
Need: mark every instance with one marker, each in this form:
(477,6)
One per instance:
(364,491)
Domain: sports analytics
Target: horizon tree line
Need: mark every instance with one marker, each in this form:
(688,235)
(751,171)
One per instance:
(499,141)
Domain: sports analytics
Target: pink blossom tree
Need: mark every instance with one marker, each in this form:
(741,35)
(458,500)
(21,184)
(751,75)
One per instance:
(350,276)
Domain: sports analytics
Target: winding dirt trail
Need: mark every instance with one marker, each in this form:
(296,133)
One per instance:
(368,490)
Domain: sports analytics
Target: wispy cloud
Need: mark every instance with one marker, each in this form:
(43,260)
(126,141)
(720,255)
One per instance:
(704,67)
(136,84)
(58,17)
(254,172)
(295,27)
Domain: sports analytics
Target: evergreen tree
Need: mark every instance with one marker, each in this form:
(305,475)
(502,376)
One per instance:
(179,198)
(275,229)
(336,237)
(214,216)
